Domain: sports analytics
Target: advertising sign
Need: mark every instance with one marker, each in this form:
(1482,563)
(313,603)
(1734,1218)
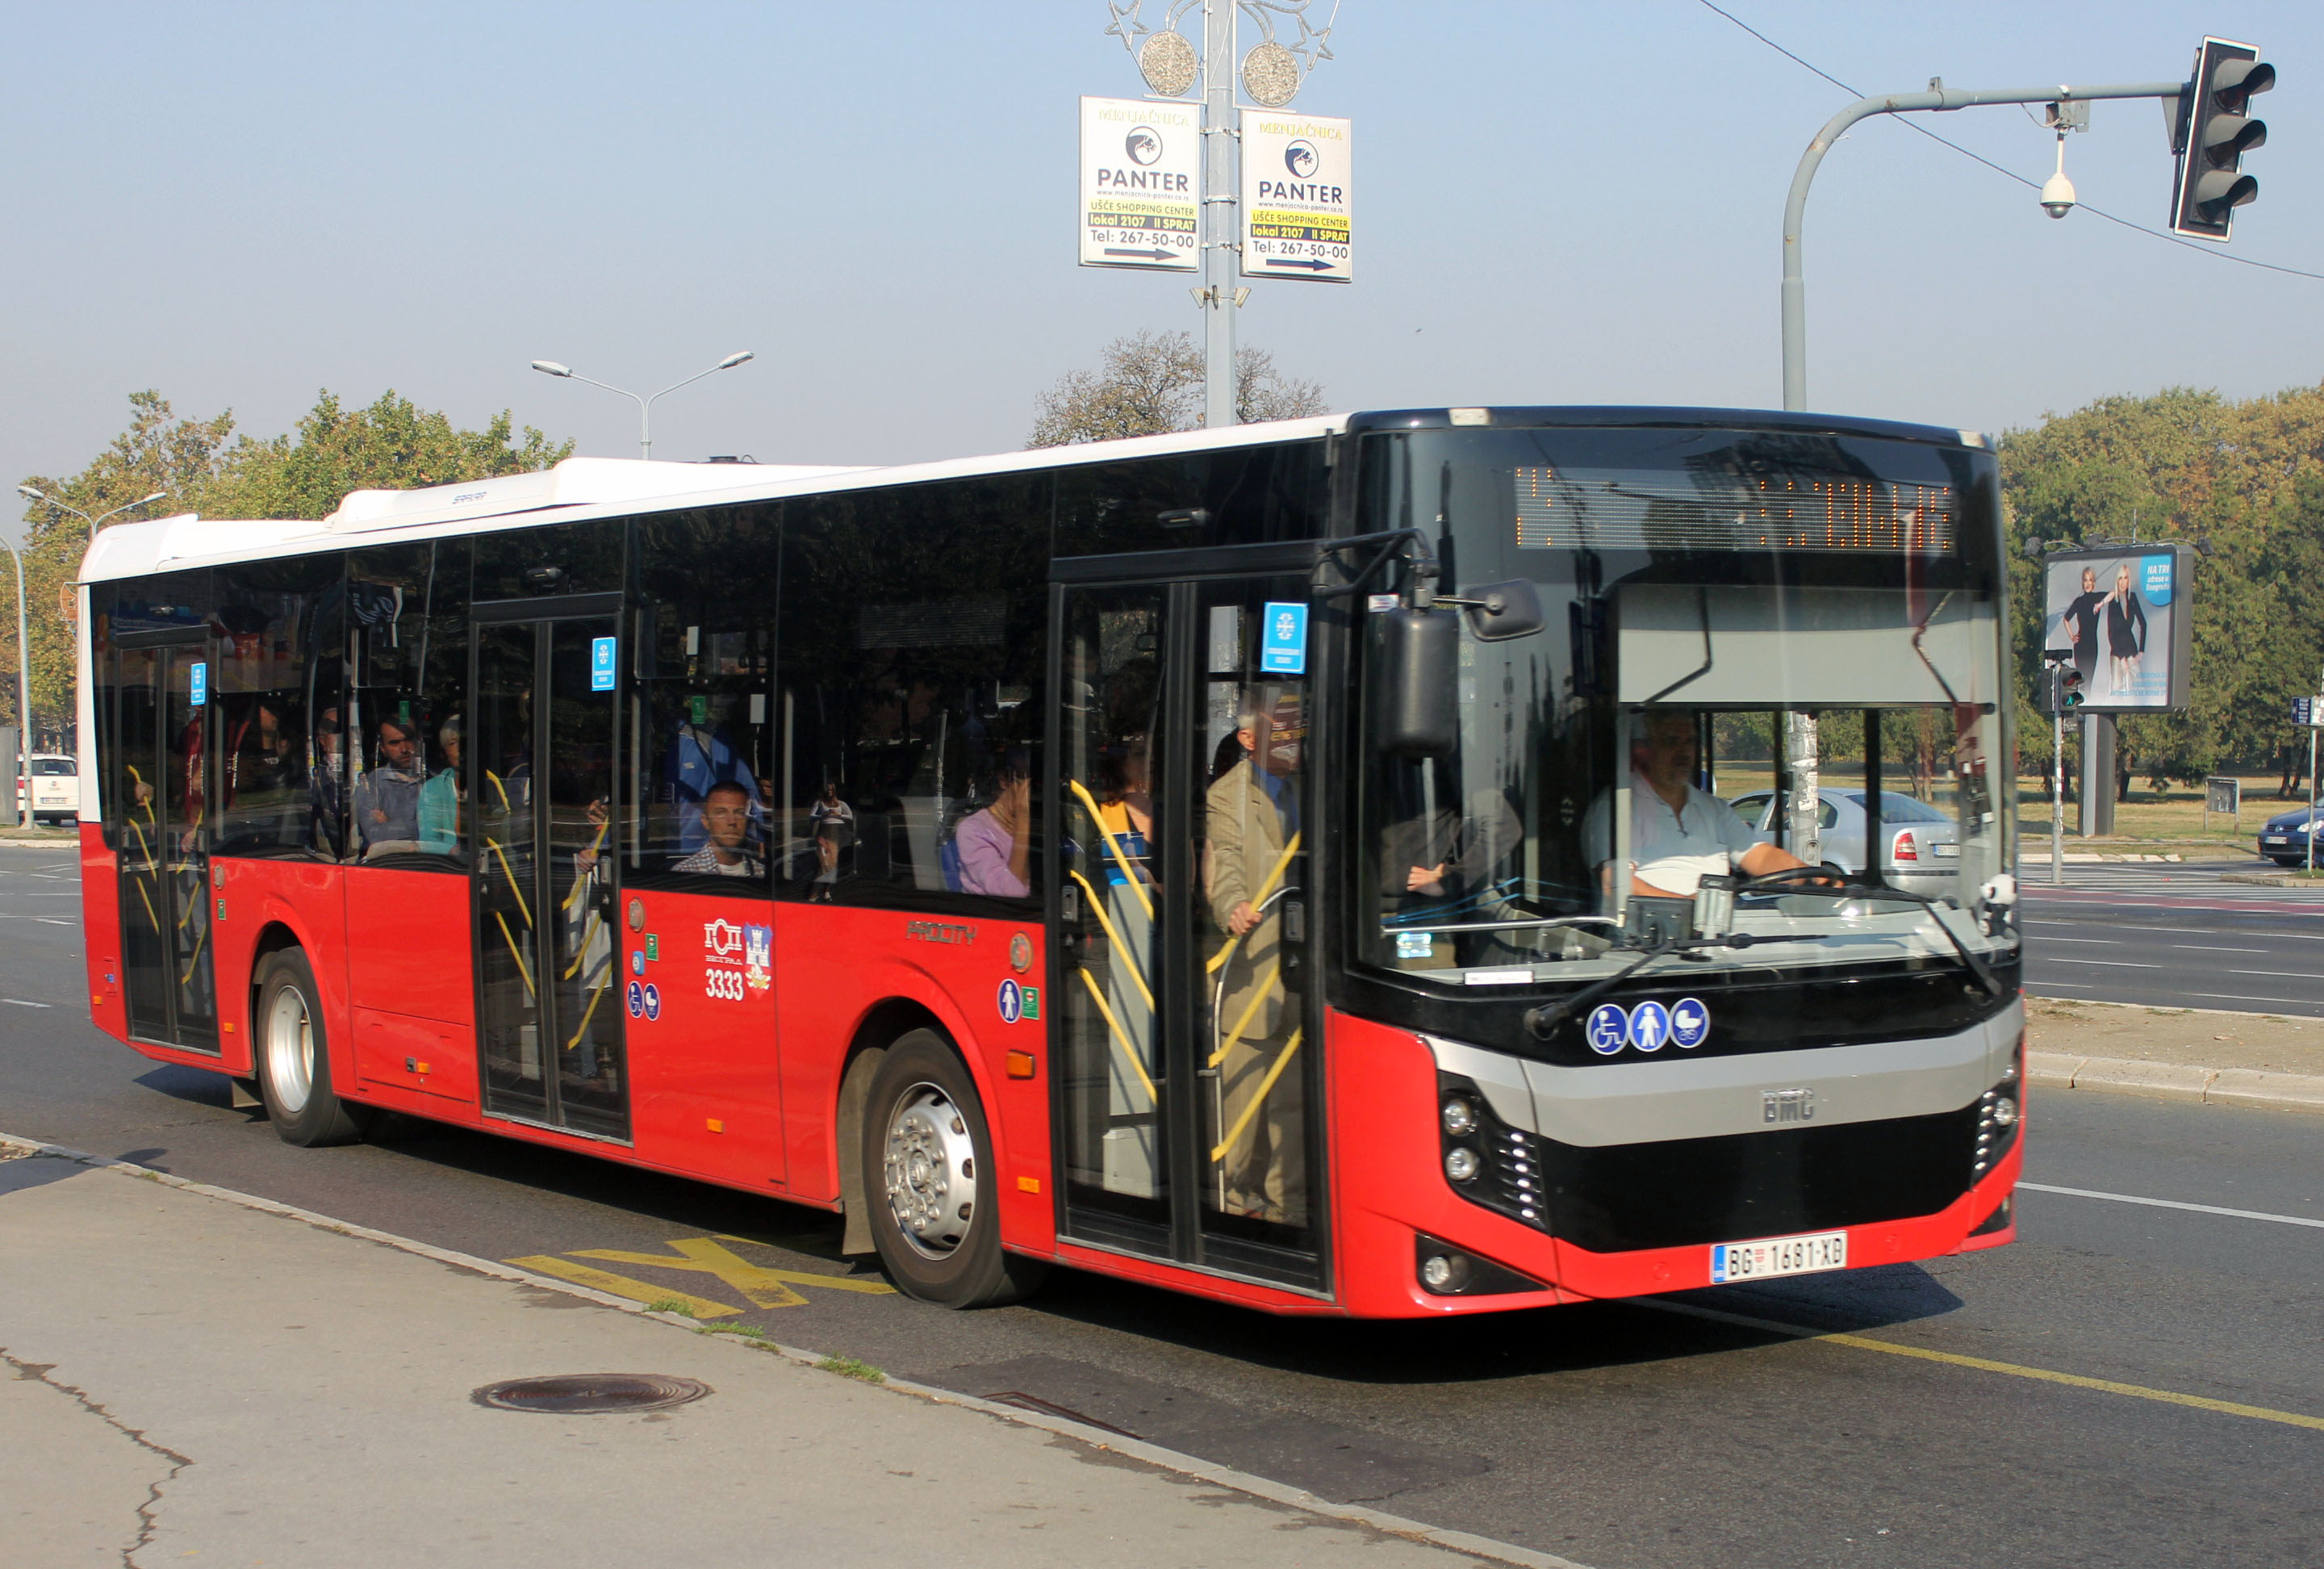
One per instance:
(1296,174)
(2125,615)
(1141,184)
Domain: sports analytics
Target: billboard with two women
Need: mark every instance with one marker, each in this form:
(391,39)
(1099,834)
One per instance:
(2125,617)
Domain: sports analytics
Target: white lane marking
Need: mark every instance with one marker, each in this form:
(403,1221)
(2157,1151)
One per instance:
(2239,997)
(2118,963)
(51,921)
(20,1003)
(2102,942)
(2287,975)
(2209,949)
(2206,1209)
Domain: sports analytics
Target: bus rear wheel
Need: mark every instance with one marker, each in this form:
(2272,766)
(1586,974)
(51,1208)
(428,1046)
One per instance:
(294,1062)
(930,1183)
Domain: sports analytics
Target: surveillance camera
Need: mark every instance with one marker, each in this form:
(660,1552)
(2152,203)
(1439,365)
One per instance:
(2057,195)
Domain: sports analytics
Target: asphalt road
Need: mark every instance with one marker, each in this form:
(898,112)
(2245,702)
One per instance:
(1941,1427)
(2176,937)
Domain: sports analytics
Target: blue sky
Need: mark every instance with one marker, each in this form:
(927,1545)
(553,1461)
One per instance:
(239,204)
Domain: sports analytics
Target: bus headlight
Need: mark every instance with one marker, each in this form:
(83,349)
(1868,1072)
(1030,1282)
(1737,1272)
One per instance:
(1999,1114)
(1459,1117)
(1489,1162)
(1461,1164)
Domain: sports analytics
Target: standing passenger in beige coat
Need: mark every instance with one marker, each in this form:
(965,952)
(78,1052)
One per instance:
(1253,815)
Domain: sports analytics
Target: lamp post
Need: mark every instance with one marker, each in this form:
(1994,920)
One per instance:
(24,644)
(645,405)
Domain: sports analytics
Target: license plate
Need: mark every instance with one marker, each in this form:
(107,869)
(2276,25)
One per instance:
(1947,852)
(2278,839)
(1808,1255)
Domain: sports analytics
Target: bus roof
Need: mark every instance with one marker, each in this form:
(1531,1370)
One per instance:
(595,487)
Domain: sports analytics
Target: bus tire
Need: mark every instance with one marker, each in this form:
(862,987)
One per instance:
(293,1059)
(929,1182)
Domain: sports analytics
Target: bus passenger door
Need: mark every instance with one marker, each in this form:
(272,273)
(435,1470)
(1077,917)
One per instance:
(162,714)
(549,1009)
(1187,1115)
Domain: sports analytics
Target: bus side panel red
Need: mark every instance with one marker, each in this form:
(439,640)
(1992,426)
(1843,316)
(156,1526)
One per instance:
(303,897)
(835,965)
(407,944)
(705,1092)
(1382,1083)
(100,919)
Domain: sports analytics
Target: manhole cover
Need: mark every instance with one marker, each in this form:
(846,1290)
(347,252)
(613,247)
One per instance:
(582,1393)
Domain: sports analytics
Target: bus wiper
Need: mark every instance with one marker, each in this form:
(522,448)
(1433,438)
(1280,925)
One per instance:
(1542,1021)
(1832,885)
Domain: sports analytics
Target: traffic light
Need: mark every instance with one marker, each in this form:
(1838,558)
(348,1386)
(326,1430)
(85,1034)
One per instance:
(2215,132)
(2065,692)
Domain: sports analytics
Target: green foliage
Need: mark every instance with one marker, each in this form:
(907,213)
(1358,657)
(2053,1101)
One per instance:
(2243,480)
(202,468)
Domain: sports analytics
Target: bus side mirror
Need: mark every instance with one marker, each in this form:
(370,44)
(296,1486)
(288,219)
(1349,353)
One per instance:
(1499,612)
(1416,695)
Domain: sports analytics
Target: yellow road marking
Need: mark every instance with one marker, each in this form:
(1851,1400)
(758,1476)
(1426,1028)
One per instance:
(621,1284)
(1985,1365)
(800,1278)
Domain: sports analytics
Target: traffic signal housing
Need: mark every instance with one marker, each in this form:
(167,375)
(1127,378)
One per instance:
(2215,130)
(2064,693)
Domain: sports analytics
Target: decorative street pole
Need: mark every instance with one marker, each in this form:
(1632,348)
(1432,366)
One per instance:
(645,405)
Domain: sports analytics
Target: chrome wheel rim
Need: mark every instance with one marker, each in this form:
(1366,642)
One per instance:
(931,1172)
(291,1050)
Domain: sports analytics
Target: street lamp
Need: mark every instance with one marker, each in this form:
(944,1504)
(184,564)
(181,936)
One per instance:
(23,645)
(645,405)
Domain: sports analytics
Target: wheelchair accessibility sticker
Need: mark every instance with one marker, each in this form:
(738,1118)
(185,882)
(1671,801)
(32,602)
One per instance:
(1608,1028)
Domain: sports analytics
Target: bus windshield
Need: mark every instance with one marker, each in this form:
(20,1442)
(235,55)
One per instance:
(1765,652)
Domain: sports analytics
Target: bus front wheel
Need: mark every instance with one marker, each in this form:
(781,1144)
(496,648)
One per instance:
(930,1183)
(294,1063)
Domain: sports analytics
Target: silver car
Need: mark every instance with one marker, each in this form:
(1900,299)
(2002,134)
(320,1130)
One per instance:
(1920,845)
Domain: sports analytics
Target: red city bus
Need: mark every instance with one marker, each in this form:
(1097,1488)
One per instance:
(1291,864)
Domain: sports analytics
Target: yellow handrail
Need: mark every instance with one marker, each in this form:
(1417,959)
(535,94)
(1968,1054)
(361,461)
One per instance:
(1266,1086)
(1257,995)
(1259,901)
(1121,1036)
(1112,844)
(1122,948)
(509,871)
(524,971)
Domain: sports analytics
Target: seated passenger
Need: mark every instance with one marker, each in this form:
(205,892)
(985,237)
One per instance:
(442,797)
(1678,835)
(387,798)
(996,845)
(725,823)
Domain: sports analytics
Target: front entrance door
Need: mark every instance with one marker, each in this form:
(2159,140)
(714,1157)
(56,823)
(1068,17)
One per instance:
(1186,1078)
(548,992)
(162,712)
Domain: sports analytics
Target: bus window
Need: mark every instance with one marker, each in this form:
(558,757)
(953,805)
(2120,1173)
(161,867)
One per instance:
(699,805)
(267,655)
(913,636)
(404,727)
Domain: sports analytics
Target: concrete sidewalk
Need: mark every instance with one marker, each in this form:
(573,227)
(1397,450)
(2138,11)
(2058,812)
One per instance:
(191,1376)
(2264,1061)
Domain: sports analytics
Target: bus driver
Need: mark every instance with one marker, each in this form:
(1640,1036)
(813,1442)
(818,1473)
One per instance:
(1678,834)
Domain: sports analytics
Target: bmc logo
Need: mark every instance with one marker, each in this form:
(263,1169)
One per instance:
(1787,1105)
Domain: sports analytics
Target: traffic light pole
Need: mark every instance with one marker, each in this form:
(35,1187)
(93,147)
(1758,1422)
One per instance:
(1938,98)
(2057,796)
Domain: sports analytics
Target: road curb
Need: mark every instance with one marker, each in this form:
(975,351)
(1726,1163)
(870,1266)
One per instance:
(1192,1467)
(2237,1087)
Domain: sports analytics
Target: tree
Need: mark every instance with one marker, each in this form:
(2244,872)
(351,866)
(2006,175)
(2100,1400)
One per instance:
(2242,481)
(392,443)
(1151,383)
